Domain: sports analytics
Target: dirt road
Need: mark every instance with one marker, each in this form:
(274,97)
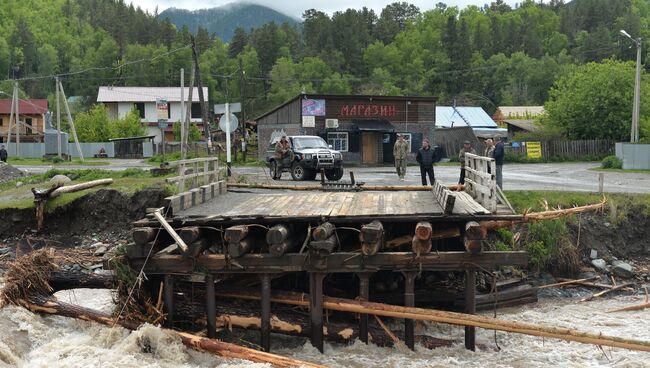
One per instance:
(574,177)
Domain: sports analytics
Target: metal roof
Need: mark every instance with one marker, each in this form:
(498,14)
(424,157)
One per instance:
(146,94)
(528,125)
(473,116)
(25,107)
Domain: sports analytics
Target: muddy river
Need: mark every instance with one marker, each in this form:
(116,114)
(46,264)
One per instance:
(29,340)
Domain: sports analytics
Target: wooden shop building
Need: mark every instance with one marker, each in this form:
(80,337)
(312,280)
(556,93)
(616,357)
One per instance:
(364,128)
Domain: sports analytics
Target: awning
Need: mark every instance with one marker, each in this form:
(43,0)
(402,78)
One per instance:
(374,125)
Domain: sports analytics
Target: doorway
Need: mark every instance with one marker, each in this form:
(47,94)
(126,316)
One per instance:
(369,151)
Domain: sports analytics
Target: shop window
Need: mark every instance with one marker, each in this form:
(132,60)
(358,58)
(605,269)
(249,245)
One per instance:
(407,138)
(338,140)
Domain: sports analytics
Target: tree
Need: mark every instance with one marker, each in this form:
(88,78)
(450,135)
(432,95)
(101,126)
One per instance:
(238,42)
(93,125)
(195,133)
(393,19)
(128,126)
(595,101)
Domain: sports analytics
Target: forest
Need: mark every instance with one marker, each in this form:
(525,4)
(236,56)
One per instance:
(489,56)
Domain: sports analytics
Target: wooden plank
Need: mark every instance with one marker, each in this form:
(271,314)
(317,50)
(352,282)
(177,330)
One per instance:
(170,230)
(336,262)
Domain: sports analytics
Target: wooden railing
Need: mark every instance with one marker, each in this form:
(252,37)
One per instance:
(480,180)
(205,168)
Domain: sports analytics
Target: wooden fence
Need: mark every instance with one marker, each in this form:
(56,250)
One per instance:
(204,167)
(480,180)
(596,148)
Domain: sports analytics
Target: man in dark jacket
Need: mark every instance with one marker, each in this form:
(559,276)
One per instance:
(467,148)
(498,155)
(425,158)
(3,154)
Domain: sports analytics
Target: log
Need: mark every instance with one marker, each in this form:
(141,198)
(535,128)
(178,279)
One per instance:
(544,215)
(371,238)
(235,234)
(630,308)
(474,236)
(80,186)
(190,234)
(281,240)
(598,295)
(143,235)
(398,242)
(60,280)
(423,230)
(324,247)
(568,282)
(50,305)
(409,188)
(238,249)
(354,306)
(420,246)
(323,231)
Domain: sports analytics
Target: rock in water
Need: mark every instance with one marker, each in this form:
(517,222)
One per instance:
(60,180)
(600,264)
(622,269)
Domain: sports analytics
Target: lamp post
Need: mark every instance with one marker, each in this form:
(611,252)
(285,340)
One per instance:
(634,134)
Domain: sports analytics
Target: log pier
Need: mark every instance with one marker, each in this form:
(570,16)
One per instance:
(296,242)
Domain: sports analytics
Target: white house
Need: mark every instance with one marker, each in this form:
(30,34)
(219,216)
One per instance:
(120,100)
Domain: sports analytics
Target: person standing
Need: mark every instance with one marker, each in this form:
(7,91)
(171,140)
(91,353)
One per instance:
(489,148)
(467,148)
(499,154)
(425,158)
(400,152)
(283,152)
(3,153)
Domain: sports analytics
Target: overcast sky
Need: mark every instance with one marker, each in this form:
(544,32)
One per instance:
(295,8)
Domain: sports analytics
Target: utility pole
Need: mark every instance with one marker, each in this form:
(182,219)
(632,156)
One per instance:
(182,122)
(74,131)
(242,97)
(634,130)
(17,119)
(188,114)
(204,106)
(12,117)
(58,119)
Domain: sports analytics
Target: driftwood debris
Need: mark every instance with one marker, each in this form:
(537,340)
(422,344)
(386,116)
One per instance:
(363,307)
(42,196)
(615,288)
(568,282)
(50,305)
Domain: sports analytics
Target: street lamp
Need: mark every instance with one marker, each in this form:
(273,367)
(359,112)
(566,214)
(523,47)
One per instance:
(634,134)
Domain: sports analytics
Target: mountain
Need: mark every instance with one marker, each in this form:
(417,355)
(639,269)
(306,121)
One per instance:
(223,20)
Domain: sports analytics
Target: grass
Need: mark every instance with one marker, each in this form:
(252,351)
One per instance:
(128,181)
(638,171)
(48,162)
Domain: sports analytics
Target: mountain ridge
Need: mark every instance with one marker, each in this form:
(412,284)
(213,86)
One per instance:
(223,20)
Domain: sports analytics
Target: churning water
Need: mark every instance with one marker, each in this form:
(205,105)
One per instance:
(29,340)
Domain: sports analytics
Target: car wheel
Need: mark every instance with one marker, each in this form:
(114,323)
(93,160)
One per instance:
(274,170)
(298,172)
(334,174)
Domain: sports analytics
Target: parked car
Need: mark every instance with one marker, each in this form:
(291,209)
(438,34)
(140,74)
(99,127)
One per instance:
(311,155)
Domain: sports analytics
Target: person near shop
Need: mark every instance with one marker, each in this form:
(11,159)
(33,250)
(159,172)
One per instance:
(499,154)
(467,148)
(400,152)
(283,152)
(425,158)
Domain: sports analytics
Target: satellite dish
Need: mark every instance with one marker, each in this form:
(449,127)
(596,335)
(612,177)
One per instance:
(234,122)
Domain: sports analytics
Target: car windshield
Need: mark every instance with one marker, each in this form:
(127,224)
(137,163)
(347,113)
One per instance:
(309,142)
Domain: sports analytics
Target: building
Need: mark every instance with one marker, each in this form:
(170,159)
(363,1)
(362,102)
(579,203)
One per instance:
(518,118)
(469,116)
(120,100)
(363,128)
(32,116)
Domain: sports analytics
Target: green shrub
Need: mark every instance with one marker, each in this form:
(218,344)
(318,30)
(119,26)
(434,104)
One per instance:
(612,162)
(539,255)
